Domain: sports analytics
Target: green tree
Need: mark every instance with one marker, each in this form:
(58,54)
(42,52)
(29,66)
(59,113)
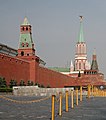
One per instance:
(36,84)
(30,83)
(39,85)
(13,83)
(48,86)
(22,83)
(42,86)
(3,82)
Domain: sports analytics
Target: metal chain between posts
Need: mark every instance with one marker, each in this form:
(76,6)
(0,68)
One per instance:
(24,102)
(75,94)
(57,100)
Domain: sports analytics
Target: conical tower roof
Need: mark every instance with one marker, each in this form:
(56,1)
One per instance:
(81,33)
(25,21)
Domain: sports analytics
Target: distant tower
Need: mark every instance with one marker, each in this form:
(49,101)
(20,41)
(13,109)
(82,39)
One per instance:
(94,65)
(81,52)
(26,46)
(71,67)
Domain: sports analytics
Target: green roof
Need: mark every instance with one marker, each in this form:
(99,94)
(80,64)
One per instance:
(81,33)
(26,39)
(25,21)
(60,69)
(94,65)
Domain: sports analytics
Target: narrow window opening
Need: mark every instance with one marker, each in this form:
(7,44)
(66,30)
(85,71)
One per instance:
(23,28)
(22,53)
(26,28)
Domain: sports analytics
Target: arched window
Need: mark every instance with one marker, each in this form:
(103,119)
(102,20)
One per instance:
(79,65)
(79,48)
(26,44)
(26,28)
(22,44)
(22,53)
(23,28)
(84,65)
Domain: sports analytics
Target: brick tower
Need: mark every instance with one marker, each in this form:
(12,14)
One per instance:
(81,52)
(26,50)
(26,46)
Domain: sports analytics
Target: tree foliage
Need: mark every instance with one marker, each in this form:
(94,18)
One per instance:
(13,83)
(22,83)
(3,83)
(30,83)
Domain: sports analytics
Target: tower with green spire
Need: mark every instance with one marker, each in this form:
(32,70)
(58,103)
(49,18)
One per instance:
(94,65)
(81,32)
(26,45)
(81,52)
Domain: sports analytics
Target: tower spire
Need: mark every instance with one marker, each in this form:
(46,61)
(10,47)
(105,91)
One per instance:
(94,65)
(81,33)
(25,21)
(81,52)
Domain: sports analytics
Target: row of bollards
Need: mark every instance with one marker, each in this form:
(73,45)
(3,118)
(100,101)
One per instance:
(99,93)
(66,101)
(91,91)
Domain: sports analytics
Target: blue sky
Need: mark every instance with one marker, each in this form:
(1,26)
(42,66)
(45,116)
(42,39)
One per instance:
(55,27)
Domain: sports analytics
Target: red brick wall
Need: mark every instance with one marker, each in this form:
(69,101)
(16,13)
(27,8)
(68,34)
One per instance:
(34,70)
(14,68)
(47,77)
(18,69)
(52,78)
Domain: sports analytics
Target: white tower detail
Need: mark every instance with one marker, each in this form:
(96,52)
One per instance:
(71,67)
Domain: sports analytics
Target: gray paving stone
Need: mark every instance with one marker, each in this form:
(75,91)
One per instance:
(88,109)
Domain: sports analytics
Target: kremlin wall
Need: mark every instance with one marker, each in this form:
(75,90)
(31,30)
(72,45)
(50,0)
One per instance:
(24,64)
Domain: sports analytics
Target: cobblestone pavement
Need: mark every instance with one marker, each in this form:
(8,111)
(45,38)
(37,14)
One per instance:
(88,109)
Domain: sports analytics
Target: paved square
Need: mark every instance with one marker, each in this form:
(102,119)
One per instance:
(88,109)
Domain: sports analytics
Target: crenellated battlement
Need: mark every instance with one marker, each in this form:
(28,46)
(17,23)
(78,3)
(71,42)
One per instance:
(12,59)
